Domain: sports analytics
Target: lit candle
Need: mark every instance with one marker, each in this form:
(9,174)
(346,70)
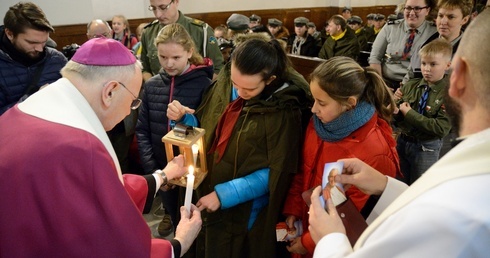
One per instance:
(195,150)
(189,188)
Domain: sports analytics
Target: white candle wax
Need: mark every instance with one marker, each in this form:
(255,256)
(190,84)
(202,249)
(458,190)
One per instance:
(195,150)
(189,188)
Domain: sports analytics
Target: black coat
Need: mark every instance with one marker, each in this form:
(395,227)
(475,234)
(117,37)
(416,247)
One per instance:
(310,47)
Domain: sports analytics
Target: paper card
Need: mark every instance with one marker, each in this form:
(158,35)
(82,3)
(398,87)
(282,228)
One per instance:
(331,188)
(282,233)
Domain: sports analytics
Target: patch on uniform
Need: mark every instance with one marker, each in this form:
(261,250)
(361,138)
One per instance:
(437,101)
(213,40)
(427,108)
(198,22)
(395,22)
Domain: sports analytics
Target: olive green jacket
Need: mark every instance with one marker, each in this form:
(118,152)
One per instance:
(434,122)
(346,46)
(149,52)
(362,37)
(268,134)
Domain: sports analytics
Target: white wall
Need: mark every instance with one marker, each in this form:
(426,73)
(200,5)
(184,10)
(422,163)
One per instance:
(64,12)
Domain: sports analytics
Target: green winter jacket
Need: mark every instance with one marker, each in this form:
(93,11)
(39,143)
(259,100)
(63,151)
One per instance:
(268,134)
(346,46)
(434,122)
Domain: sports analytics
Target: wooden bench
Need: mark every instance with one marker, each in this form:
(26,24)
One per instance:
(76,33)
(305,64)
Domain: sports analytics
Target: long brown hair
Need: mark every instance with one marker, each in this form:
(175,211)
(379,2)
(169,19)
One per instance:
(342,77)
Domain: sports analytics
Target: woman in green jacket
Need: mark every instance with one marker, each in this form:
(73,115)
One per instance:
(253,120)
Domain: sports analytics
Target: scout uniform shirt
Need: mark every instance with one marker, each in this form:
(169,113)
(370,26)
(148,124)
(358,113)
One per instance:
(389,44)
(196,28)
(434,122)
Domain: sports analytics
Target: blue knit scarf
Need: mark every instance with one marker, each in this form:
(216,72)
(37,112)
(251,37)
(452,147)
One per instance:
(345,124)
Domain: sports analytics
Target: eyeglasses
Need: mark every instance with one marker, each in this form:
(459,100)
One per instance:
(103,35)
(136,102)
(161,7)
(415,9)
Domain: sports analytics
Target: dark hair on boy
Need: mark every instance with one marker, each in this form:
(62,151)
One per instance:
(22,16)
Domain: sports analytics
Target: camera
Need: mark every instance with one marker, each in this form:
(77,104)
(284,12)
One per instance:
(70,50)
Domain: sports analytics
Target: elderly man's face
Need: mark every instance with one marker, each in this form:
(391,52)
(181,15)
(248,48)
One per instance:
(122,97)
(331,176)
(99,29)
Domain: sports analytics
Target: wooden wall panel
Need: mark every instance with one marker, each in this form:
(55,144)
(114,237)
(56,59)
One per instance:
(68,34)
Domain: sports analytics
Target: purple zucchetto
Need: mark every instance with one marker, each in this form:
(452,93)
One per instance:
(103,52)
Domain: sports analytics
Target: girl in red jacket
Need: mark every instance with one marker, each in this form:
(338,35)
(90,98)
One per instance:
(351,119)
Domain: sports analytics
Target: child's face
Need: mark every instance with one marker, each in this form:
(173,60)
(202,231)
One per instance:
(325,107)
(379,24)
(226,54)
(173,57)
(118,25)
(219,33)
(354,26)
(434,67)
(311,30)
(273,29)
(300,30)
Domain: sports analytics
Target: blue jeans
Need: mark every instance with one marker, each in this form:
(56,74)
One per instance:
(416,157)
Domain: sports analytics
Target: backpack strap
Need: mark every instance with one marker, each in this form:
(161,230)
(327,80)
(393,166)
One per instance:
(31,88)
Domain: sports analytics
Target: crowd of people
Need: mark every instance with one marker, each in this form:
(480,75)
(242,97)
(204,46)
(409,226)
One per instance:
(67,123)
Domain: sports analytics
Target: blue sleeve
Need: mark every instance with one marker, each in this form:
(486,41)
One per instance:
(243,189)
(234,93)
(187,119)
